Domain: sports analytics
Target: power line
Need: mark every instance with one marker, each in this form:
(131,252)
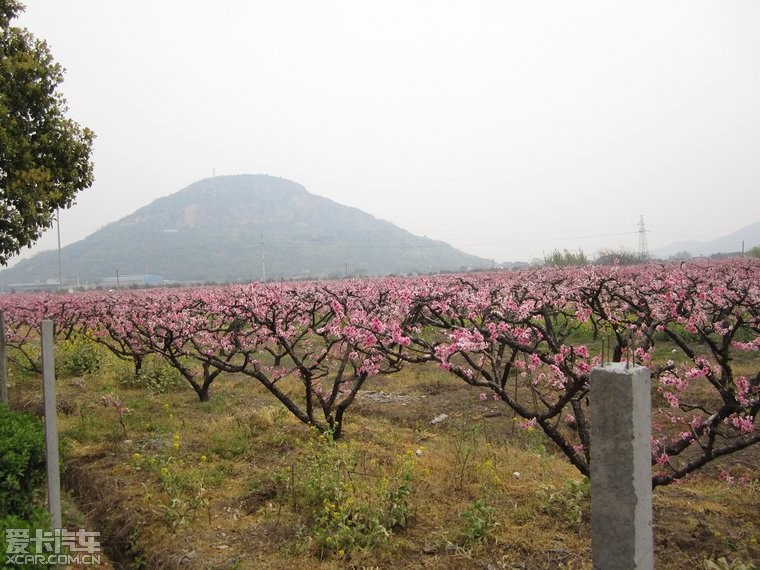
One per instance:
(563,238)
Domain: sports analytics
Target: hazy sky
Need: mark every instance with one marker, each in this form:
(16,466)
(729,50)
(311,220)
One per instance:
(505,128)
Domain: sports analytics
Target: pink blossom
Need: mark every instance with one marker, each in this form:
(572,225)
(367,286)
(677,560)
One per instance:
(742,389)
(583,314)
(643,356)
(748,346)
(693,373)
(582,351)
(582,368)
(743,423)
(672,399)
(726,477)
(529,424)
(662,458)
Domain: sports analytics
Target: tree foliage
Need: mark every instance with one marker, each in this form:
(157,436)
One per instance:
(22,462)
(44,156)
(527,339)
(618,257)
(566,258)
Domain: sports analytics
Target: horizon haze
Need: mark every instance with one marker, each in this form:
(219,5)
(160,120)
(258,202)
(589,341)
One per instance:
(504,129)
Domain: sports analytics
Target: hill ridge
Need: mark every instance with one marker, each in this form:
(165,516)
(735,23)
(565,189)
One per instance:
(214,230)
(730,243)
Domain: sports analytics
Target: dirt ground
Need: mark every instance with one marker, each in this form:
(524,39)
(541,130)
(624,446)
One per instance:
(435,419)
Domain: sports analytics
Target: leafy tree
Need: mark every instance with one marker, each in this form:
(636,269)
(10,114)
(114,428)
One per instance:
(44,156)
(618,257)
(566,258)
(680,256)
(755,251)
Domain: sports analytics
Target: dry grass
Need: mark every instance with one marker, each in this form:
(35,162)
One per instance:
(220,497)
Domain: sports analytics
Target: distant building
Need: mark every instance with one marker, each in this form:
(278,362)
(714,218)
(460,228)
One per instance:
(127,280)
(515,265)
(49,285)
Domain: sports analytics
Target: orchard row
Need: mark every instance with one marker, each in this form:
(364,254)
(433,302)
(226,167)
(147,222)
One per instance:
(528,339)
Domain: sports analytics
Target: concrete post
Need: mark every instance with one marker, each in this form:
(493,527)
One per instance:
(3,361)
(621,468)
(51,424)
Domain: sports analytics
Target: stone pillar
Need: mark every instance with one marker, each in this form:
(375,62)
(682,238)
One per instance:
(621,468)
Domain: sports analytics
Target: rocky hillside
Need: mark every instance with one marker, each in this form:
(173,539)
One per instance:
(217,230)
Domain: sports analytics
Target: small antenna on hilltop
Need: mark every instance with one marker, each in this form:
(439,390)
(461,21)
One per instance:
(263,266)
(213,173)
(643,246)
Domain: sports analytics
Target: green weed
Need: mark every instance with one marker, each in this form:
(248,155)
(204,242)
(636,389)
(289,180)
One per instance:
(478,524)
(345,506)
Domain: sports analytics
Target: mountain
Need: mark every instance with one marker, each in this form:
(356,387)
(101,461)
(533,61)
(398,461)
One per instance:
(217,230)
(750,235)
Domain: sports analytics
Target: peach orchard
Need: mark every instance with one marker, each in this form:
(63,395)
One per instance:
(526,339)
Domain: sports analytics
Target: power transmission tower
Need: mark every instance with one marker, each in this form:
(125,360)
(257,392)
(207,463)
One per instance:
(643,246)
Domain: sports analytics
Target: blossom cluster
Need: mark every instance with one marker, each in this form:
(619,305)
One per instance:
(529,339)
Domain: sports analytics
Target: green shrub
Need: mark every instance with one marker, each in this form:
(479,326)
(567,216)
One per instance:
(571,503)
(478,524)
(155,376)
(345,506)
(26,358)
(22,462)
(38,518)
(77,356)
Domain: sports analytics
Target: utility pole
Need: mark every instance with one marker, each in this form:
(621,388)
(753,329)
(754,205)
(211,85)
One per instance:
(58,227)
